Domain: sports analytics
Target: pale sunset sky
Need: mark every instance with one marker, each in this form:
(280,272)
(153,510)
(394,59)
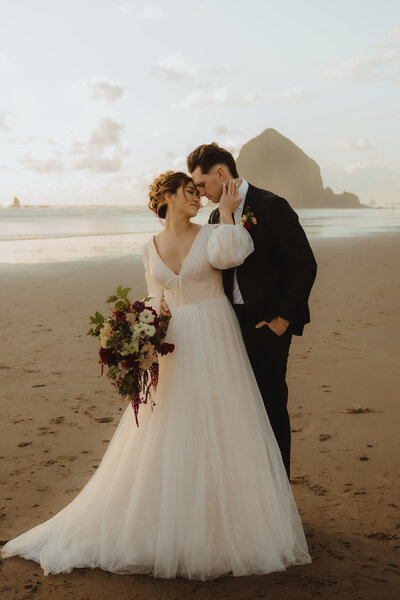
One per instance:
(99,96)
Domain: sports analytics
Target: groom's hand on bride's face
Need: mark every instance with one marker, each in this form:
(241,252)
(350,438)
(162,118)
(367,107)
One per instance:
(278,325)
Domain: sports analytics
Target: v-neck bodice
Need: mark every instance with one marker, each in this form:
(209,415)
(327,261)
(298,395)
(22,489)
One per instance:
(215,247)
(184,260)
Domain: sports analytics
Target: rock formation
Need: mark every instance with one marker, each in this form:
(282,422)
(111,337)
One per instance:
(15,204)
(272,162)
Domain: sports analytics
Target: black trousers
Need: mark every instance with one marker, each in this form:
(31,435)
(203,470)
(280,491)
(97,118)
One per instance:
(268,354)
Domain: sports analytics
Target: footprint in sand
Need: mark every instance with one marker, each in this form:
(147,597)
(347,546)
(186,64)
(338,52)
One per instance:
(380,535)
(304,480)
(23,444)
(359,411)
(57,420)
(326,387)
(104,419)
(324,436)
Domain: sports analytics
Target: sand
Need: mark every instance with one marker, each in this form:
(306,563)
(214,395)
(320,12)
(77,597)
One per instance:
(58,415)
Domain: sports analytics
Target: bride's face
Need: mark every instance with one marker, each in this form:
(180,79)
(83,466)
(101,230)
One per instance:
(185,201)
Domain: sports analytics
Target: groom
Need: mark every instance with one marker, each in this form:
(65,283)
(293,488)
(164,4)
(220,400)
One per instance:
(270,290)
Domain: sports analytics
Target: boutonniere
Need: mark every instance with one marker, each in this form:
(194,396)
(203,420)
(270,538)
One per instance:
(248,219)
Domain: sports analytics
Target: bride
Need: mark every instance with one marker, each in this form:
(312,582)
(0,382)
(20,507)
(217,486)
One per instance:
(199,490)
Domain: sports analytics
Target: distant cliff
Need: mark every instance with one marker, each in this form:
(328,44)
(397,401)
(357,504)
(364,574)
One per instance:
(272,162)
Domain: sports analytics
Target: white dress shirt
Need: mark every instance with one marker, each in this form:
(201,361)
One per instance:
(242,191)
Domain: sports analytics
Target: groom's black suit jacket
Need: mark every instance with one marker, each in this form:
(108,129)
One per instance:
(276,279)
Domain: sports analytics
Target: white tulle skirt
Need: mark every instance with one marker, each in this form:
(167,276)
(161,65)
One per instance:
(199,489)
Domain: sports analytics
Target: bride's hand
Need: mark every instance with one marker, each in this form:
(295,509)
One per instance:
(164,310)
(229,200)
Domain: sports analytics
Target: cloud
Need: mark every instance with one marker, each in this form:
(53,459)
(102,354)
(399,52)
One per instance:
(392,37)
(224,97)
(99,164)
(220,97)
(385,114)
(295,94)
(22,141)
(359,143)
(356,167)
(103,152)
(175,67)
(151,12)
(91,94)
(363,68)
(222,130)
(375,66)
(123,10)
(3,124)
(104,90)
(107,133)
(49,165)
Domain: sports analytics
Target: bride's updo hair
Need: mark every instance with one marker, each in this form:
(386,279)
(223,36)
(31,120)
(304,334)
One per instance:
(166,183)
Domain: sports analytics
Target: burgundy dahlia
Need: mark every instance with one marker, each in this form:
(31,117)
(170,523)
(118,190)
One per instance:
(166,348)
(138,306)
(119,315)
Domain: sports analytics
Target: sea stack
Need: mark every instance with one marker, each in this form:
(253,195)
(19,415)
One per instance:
(15,204)
(273,162)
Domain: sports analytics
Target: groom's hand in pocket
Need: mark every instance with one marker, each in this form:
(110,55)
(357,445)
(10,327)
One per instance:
(278,325)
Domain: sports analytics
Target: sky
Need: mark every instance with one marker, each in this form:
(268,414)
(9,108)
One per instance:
(97,97)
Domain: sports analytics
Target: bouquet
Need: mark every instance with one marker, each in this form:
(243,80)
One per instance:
(131,339)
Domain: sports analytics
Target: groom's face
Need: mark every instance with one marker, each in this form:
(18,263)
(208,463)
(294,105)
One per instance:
(210,184)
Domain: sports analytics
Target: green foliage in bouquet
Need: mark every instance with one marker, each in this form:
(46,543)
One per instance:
(131,340)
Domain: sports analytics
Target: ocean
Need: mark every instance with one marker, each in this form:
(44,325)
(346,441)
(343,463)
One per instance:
(58,233)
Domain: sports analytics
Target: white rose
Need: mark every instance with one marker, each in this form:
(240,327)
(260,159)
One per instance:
(150,330)
(138,328)
(146,316)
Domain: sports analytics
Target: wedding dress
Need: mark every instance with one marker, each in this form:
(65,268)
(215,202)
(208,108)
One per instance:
(199,489)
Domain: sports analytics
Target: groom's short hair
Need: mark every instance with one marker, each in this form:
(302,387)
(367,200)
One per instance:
(208,155)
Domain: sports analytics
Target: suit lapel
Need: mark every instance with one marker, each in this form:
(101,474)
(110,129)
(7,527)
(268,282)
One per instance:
(250,203)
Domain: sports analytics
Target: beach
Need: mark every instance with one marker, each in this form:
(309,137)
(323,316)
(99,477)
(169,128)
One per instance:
(59,414)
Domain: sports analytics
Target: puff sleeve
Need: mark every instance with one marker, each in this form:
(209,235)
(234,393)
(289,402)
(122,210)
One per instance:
(228,245)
